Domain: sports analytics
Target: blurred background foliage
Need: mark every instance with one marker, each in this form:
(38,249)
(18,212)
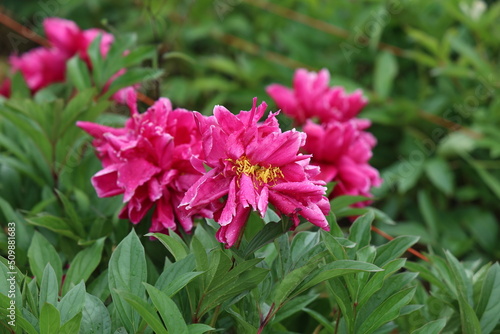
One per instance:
(430,70)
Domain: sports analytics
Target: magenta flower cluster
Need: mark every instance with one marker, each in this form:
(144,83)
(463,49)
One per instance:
(43,66)
(335,137)
(182,164)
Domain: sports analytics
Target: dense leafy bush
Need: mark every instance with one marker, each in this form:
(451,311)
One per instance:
(429,71)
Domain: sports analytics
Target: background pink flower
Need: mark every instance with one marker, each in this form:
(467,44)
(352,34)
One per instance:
(342,150)
(254,164)
(311,97)
(148,161)
(43,66)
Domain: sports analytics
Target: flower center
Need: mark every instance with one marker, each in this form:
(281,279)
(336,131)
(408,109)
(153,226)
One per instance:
(259,173)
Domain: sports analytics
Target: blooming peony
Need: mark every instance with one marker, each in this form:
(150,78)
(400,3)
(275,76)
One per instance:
(342,151)
(43,66)
(311,97)
(40,67)
(253,164)
(148,161)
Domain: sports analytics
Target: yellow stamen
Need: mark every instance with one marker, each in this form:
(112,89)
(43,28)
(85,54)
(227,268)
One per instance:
(259,173)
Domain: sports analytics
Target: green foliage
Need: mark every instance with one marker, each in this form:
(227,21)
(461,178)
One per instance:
(430,72)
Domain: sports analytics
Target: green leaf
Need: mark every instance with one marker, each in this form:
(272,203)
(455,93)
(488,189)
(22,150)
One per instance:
(19,88)
(147,312)
(488,308)
(83,265)
(338,268)
(334,246)
(78,73)
(270,232)
(468,318)
(49,287)
(180,282)
(341,202)
(168,310)
(293,306)
(72,304)
(131,77)
(386,69)
(385,312)
(50,320)
(127,271)
(428,212)
(72,326)
(394,249)
(95,317)
(440,174)
(177,248)
(360,231)
(199,328)
(433,327)
(321,319)
(55,224)
(42,252)
(94,52)
(376,282)
(286,286)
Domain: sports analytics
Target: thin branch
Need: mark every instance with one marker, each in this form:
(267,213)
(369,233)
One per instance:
(22,30)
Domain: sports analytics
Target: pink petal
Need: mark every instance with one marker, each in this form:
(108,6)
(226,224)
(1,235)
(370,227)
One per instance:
(105,182)
(130,179)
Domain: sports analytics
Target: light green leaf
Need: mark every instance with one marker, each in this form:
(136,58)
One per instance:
(127,271)
(49,287)
(440,174)
(394,249)
(177,248)
(50,320)
(95,317)
(168,310)
(385,312)
(433,327)
(72,304)
(83,265)
(147,312)
(42,252)
(386,69)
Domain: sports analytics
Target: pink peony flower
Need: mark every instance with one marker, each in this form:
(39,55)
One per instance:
(5,88)
(148,161)
(342,151)
(311,97)
(40,67)
(254,164)
(43,66)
